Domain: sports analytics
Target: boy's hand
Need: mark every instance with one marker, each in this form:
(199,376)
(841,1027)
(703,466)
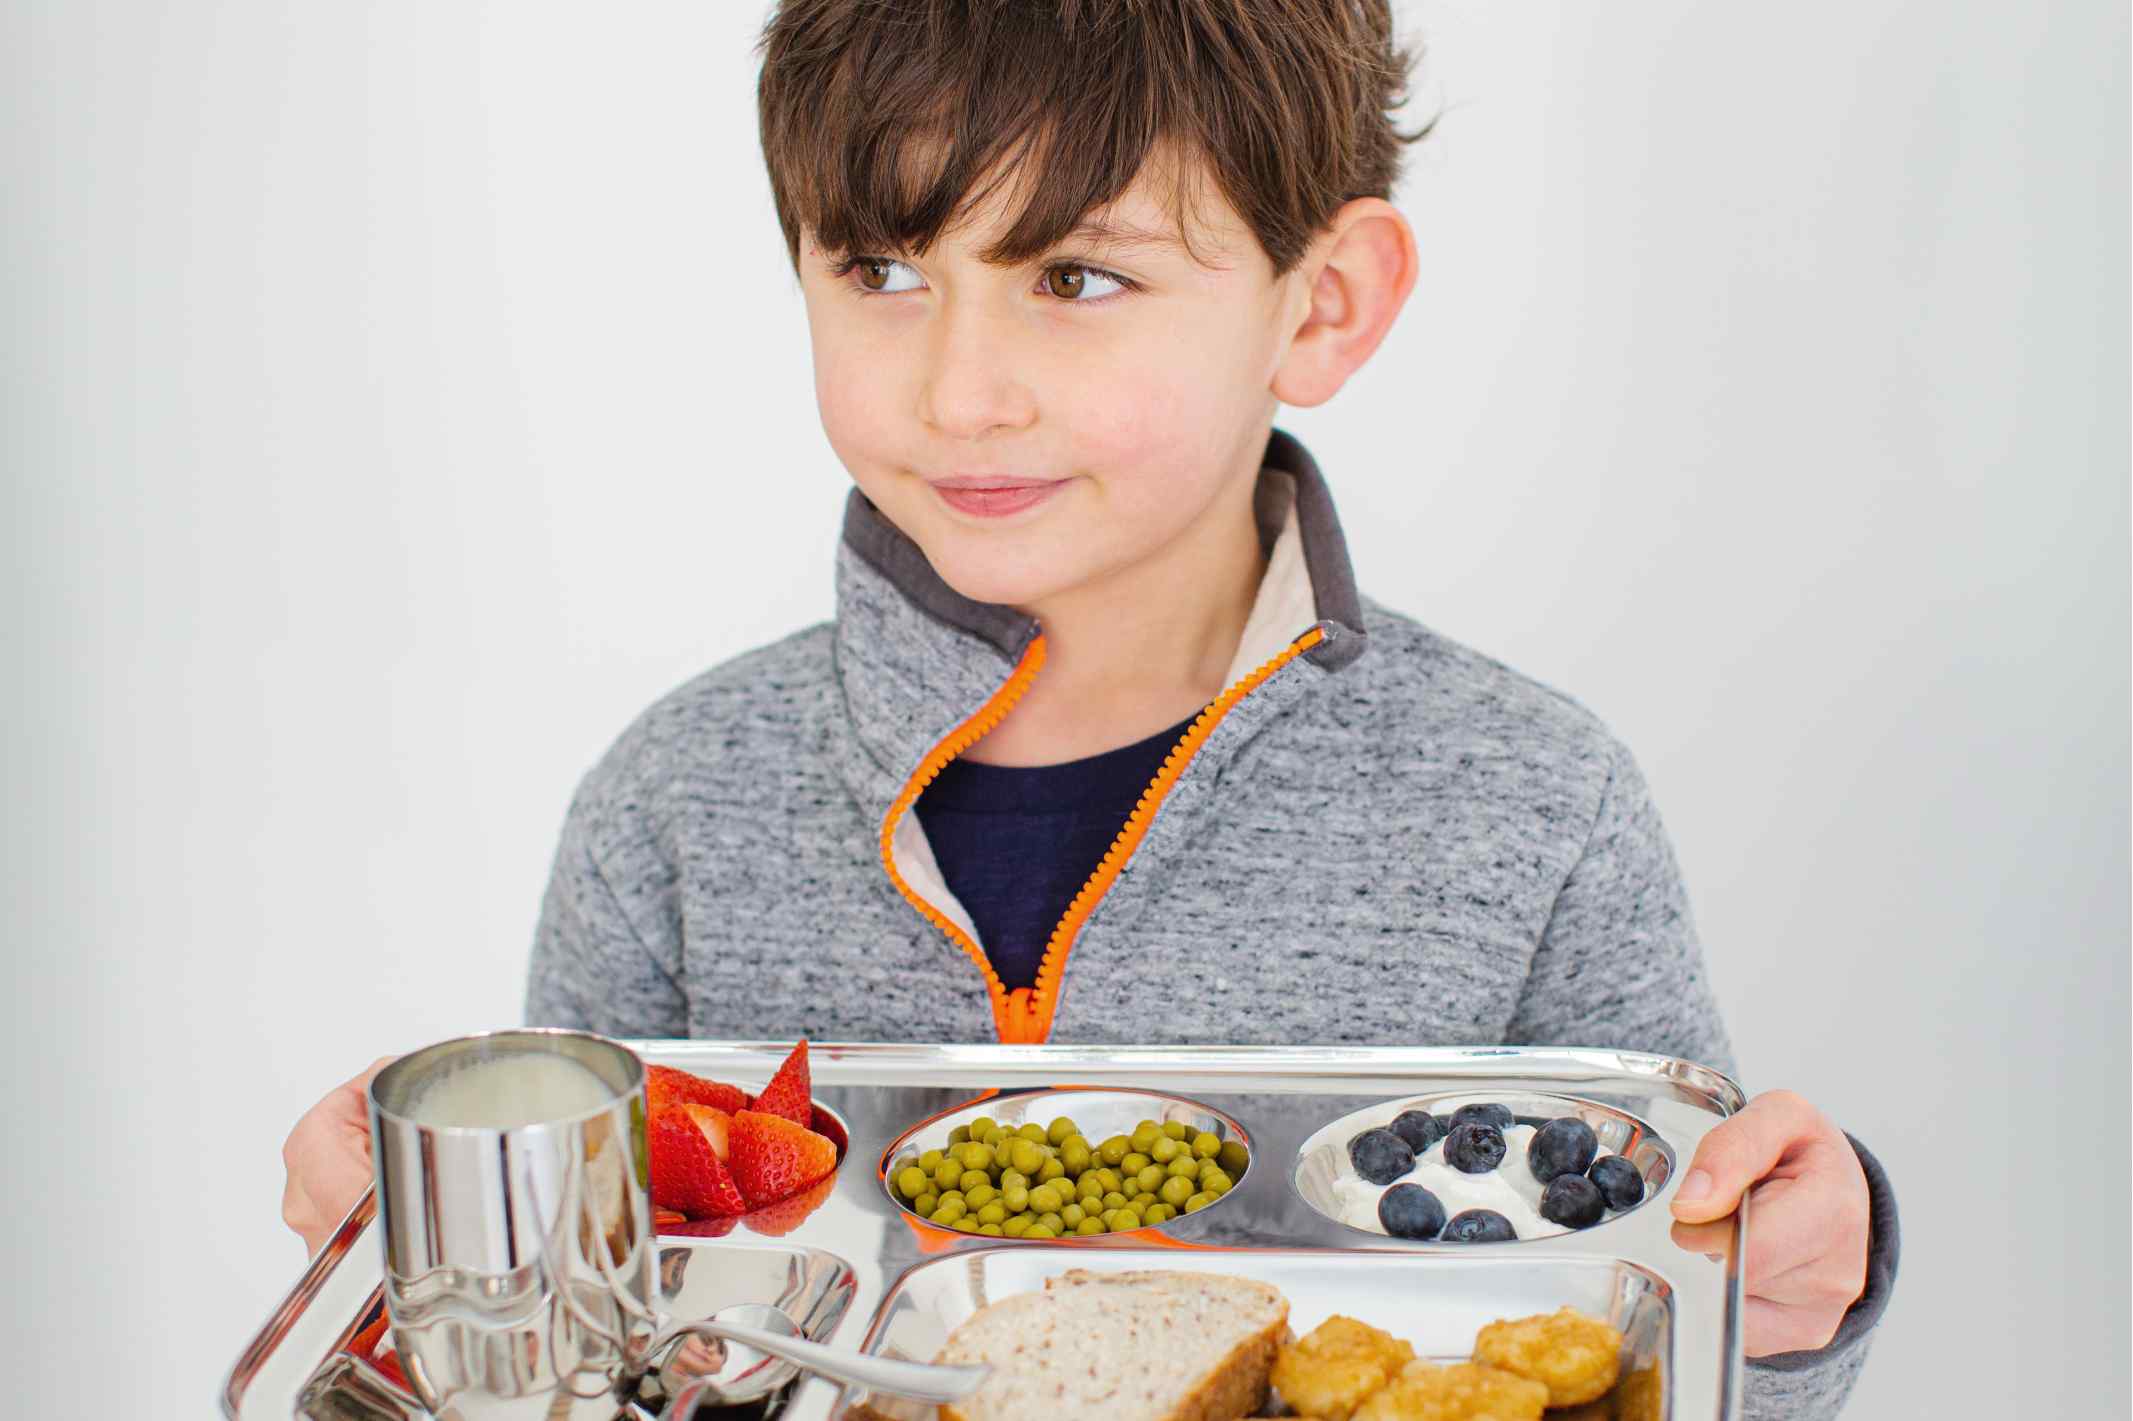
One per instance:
(327,1156)
(1807,1235)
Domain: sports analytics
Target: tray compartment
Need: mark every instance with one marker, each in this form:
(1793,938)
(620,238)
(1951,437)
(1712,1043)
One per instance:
(1319,1159)
(1436,1301)
(1099,1111)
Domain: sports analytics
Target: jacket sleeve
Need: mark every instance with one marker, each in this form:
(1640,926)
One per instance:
(607,952)
(1619,966)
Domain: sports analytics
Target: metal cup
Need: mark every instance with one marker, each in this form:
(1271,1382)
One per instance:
(520,1261)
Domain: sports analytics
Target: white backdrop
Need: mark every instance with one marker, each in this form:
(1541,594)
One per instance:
(389,392)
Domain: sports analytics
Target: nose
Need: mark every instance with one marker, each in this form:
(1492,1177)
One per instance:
(971,388)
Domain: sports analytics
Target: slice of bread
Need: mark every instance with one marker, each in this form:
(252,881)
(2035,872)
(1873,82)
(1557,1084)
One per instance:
(1141,1346)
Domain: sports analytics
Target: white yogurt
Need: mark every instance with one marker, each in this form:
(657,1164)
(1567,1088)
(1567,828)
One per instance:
(1509,1189)
(507,1091)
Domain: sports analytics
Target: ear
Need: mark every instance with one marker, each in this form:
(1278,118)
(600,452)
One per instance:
(1357,276)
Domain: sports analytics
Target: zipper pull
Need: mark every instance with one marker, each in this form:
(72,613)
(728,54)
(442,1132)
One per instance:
(1021,1016)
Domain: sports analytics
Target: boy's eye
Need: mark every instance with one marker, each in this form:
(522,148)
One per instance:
(882,274)
(1080,283)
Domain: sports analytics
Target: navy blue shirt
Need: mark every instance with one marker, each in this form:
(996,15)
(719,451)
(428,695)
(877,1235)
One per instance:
(1016,844)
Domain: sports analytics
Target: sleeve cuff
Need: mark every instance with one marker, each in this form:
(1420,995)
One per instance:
(1884,1241)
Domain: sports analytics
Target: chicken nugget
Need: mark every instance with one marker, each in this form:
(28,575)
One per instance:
(1340,1363)
(1464,1391)
(1641,1397)
(1576,1357)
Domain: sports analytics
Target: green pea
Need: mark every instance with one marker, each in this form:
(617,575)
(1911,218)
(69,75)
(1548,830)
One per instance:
(1090,1228)
(930,1161)
(911,1181)
(1074,1154)
(1206,1146)
(1176,1191)
(1207,1167)
(1151,1178)
(1053,1222)
(1017,1225)
(1145,1135)
(1175,1129)
(1113,1150)
(991,1230)
(1134,1163)
(1039,1230)
(1009,1178)
(976,1129)
(955,1194)
(949,1211)
(970,1179)
(967,1225)
(1234,1157)
(959,1134)
(993,1213)
(1045,1199)
(1113,1199)
(1060,1129)
(948,1174)
(1159,1214)
(979,1197)
(1032,1132)
(1016,1197)
(1112,1179)
(1165,1150)
(1198,1202)
(1052,1170)
(1216,1184)
(1088,1188)
(1132,1189)
(1183,1167)
(1025,1157)
(1072,1215)
(974,1155)
(1003,1156)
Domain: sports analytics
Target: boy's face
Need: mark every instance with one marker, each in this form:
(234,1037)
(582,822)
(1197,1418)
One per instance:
(1040,430)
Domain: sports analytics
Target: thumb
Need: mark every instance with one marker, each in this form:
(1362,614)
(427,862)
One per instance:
(1739,1152)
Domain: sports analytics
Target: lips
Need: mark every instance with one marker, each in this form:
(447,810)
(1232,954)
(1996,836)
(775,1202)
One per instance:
(988,496)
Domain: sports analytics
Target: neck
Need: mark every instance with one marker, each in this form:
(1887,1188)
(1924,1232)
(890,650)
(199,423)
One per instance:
(1139,650)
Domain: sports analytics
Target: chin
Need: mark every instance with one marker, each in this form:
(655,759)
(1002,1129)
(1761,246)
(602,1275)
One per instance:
(995,575)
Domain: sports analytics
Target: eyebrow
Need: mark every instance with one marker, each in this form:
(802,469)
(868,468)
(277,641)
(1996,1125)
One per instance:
(1123,237)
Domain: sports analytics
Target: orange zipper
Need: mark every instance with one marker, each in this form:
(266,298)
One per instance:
(1024,1016)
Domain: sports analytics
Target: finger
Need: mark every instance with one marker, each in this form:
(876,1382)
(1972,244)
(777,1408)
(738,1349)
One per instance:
(1713,1240)
(1741,1151)
(1768,1328)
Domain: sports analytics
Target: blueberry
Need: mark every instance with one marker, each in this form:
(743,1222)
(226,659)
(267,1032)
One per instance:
(1410,1211)
(1419,1128)
(1474,1149)
(1380,1156)
(1618,1181)
(1478,1226)
(1564,1146)
(1573,1201)
(1498,1115)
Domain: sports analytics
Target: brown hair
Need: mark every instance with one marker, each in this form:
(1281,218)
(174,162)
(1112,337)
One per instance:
(886,121)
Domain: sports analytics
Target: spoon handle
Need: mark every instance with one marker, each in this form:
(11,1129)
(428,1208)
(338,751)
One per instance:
(921,1381)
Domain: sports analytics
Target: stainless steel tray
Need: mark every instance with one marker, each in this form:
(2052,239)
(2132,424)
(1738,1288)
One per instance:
(1684,1307)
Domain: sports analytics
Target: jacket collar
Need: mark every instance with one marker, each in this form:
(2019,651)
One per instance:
(915,657)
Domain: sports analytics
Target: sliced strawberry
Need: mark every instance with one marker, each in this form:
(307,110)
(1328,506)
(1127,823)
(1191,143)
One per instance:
(687,1173)
(773,1158)
(665,1087)
(789,1094)
(714,1123)
(788,1214)
(665,1219)
(702,1228)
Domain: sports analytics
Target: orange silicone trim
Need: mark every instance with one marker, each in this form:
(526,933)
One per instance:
(1024,1016)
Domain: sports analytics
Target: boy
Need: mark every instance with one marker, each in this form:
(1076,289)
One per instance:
(1103,744)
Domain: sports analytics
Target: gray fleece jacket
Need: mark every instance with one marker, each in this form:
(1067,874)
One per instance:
(1377,837)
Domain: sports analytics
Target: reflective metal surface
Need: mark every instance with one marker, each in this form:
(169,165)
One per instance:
(1280,1097)
(518,1261)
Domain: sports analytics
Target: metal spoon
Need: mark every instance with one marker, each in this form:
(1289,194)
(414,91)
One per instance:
(756,1334)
